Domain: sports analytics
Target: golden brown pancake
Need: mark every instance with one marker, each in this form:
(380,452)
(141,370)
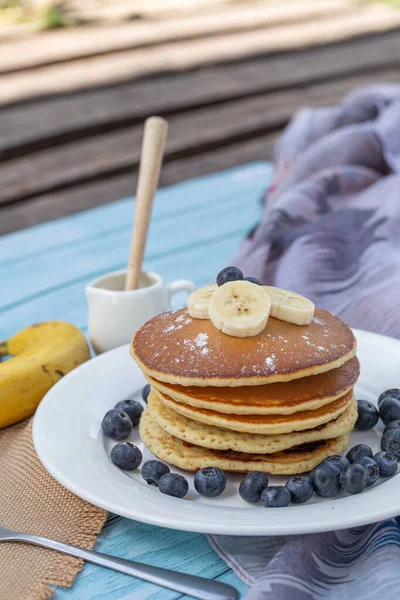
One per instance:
(307,393)
(216,438)
(190,458)
(177,349)
(261,424)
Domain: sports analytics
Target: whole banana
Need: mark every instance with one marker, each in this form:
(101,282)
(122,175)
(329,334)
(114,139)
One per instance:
(42,354)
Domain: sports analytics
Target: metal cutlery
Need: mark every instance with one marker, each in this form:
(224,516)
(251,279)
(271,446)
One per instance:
(198,587)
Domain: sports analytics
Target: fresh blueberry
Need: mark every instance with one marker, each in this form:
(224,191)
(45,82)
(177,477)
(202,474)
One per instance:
(368,416)
(252,485)
(173,484)
(393,393)
(146,392)
(229,274)
(390,442)
(132,408)
(325,480)
(126,456)
(116,424)
(300,489)
(392,425)
(152,470)
(275,496)
(340,462)
(387,464)
(252,280)
(210,482)
(356,453)
(371,466)
(389,409)
(354,478)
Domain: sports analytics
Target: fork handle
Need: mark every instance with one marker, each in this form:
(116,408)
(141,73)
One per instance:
(198,587)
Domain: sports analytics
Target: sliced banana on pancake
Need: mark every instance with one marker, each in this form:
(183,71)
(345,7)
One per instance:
(240,308)
(199,301)
(289,306)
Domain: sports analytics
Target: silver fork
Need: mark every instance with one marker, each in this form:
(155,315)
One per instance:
(198,587)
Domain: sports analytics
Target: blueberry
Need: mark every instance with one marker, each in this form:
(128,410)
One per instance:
(275,496)
(371,466)
(387,464)
(392,425)
(393,393)
(389,409)
(340,462)
(390,442)
(356,453)
(300,489)
(152,470)
(252,485)
(210,482)
(368,416)
(229,274)
(116,424)
(146,392)
(325,480)
(173,484)
(252,280)
(126,456)
(354,478)
(132,408)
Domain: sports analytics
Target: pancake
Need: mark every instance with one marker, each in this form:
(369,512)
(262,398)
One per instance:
(176,349)
(216,438)
(308,393)
(261,424)
(190,458)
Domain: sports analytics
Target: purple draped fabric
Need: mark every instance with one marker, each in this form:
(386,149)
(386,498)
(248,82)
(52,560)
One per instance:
(331,224)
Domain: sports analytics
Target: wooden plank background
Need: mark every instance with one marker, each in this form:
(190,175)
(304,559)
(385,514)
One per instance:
(72,108)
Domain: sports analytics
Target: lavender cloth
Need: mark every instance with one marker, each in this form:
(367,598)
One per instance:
(331,225)
(331,231)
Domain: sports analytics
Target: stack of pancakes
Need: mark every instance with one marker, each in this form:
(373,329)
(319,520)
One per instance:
(279,402)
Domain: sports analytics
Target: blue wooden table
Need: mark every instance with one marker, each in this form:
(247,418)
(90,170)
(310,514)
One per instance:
(195,227)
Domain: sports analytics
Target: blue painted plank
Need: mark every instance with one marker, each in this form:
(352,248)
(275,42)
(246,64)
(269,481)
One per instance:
(68,303)
(153,545)
(195,228)
(71,229)
(107,252)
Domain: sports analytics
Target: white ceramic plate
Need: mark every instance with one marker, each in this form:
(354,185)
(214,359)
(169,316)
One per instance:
(70,444)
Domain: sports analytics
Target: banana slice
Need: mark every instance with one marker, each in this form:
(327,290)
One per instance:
(239,308)
(199,300)
(289,306)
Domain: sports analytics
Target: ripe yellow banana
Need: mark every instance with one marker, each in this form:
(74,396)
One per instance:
(42,354)
(239,308)
(289,306)
(199,301)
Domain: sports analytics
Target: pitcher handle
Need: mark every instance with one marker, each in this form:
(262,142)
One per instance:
(178,286)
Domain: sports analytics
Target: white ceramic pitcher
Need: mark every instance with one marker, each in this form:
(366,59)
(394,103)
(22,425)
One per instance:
(115,314)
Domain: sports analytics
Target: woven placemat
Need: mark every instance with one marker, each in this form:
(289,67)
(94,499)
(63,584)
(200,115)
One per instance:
(32,501)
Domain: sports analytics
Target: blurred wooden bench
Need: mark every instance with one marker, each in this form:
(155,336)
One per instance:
(71,115)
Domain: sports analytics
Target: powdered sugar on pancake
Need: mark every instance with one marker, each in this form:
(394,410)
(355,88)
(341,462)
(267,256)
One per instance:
(201,340)
(319,321)
(179,319)
(270,362)
(199,343)
(202,349)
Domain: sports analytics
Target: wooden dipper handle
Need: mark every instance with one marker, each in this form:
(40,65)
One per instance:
(154,137)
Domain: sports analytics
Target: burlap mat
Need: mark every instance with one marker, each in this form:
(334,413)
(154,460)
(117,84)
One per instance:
(32,501)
